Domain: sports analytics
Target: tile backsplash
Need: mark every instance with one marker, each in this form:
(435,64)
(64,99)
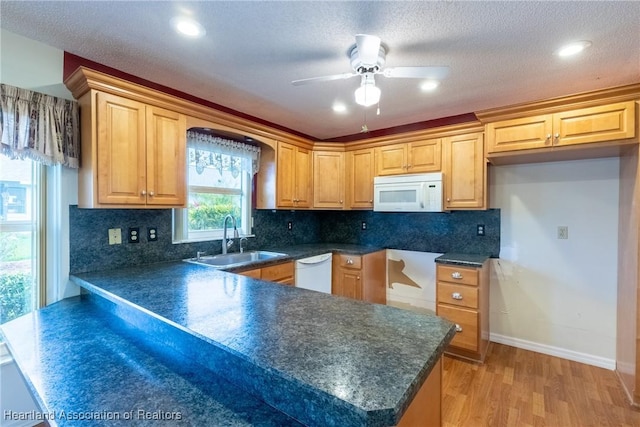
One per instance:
(428,232)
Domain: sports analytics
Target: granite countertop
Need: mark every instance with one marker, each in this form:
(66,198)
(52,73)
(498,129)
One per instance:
(471,260)
(366,360)
(75,360)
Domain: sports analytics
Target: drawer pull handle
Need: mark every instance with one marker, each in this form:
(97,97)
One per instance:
(456,295)
(458,328)
(456,275)
(349,261)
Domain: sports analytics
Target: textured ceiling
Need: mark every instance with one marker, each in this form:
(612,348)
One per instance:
(499,53)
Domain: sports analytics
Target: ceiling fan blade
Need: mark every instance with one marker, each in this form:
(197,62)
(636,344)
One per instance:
(435,73)
(323,79)
(368,48)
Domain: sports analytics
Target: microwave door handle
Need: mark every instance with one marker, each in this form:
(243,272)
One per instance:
(422,194)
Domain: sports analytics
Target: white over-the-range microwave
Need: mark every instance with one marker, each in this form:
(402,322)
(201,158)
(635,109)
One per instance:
(420,192)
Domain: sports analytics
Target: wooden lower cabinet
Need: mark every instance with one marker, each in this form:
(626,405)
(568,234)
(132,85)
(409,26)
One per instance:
(426,408)
(279,273)
(462,297)
(360,277)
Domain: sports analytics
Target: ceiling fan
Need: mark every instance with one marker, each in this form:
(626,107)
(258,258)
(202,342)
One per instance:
(367,60)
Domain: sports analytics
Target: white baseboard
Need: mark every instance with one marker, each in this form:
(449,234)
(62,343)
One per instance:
(589,359)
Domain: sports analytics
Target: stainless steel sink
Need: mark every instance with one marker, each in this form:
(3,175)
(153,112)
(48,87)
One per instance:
(234,259)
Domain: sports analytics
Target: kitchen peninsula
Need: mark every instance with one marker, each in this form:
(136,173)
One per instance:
(191,335)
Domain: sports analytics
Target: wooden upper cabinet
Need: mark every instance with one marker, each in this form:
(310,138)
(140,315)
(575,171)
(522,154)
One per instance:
(166,157)
(293,176)
(519,134)
(411,157)
(328,179)
(464,172)
(360,173)
(603,123)
(121,153)
(596,124)
(137,156)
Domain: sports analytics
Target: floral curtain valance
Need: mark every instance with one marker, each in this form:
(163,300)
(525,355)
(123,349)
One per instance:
(38,126)
(209,150)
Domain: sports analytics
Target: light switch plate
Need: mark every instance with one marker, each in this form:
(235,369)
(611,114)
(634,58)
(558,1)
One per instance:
(115,236)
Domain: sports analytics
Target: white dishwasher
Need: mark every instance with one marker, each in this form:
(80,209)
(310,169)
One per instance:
(314,273)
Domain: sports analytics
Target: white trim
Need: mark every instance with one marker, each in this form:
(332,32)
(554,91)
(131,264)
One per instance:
(589,359)
(5,356)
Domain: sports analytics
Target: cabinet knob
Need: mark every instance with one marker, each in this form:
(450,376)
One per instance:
(150,193)
(349,261)
(458,328)
(370,201)
(340,201)
(456,275)
(456,295)
(143,192)
(556,137)
(448,199)
(409,166)
(548,140)
(357,277)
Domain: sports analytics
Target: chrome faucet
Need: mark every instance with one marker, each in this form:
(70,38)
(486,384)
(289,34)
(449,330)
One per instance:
(241,239)
(227,244)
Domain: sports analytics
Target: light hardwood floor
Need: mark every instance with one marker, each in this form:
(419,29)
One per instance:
(521,388)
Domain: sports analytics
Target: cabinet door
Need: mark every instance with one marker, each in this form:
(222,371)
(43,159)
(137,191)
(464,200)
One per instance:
(286,175)
(424,156)
(596,124)
(348,284)
(465,172)
(121,154)
(391,160)
(328,179)
(166,152)
(519,134)
(361,173)
(303,178)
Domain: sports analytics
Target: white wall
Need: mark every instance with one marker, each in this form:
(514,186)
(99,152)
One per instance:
(557,296)
(32,65)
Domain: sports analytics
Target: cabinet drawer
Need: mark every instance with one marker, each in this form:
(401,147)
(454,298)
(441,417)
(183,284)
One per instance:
(277,272)
(256,273)
(461,295)
(457,274)
(467,321)
(350,261)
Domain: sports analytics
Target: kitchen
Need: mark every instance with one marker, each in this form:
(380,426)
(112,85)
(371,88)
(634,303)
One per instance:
(585,332)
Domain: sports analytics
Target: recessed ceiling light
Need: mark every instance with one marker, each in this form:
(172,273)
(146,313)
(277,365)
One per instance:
(187,27)
(573,48)
(339,108)
(429,86)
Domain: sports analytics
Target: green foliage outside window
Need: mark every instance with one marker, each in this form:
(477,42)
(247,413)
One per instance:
(207,211)
(15,293)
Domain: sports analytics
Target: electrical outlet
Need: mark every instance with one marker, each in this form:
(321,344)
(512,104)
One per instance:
(290,225)
(152,234)
(115,236)
(480,230)
(364,225)
(134,235)
(563,232)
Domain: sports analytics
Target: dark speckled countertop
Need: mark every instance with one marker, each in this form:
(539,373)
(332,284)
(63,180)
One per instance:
(471,260)
(321,359)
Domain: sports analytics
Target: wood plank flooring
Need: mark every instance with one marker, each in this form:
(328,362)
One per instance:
(521,388)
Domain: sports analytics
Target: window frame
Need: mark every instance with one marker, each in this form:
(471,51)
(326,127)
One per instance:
(180,223)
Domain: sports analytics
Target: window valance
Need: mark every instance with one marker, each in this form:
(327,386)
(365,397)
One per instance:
(222,154)
(38,126)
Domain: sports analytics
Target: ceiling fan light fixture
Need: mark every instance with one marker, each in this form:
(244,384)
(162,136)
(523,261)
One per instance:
(367,95)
